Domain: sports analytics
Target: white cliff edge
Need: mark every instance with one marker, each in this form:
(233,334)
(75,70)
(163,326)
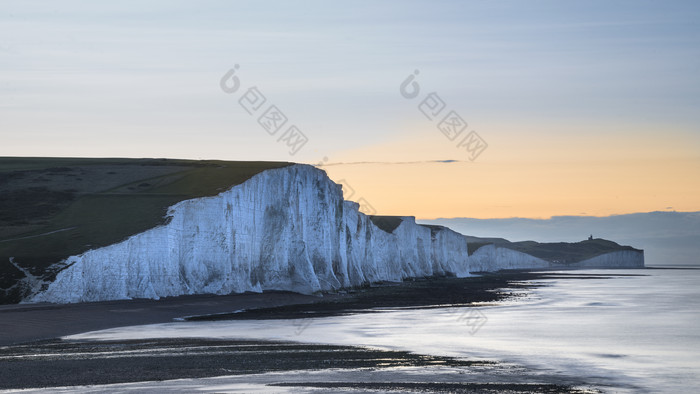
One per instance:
(283,229)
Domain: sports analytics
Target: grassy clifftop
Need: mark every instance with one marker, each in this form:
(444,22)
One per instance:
(51,208)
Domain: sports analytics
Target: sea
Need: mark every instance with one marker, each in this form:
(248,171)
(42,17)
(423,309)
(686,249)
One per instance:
(620,331)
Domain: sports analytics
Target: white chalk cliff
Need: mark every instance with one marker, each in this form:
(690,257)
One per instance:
(494,258)
(617,259)
(283,229)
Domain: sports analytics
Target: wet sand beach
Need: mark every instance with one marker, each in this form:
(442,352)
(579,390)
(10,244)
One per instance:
(34,356)
(21,323)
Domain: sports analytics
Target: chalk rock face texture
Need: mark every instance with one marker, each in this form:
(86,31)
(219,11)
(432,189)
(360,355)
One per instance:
(283,229)
(618,259)
(494,258)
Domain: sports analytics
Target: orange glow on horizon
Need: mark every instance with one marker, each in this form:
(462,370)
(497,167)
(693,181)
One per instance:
(526,177)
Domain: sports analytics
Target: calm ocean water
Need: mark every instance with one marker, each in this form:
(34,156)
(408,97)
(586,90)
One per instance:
(637,333)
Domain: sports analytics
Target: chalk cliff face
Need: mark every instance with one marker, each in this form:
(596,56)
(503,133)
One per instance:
(283,229)
(619,259)
(494,258)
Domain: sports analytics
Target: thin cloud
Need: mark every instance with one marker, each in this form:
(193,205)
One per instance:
(352,163)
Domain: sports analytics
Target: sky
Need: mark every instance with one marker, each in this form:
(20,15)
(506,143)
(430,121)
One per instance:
(483,109)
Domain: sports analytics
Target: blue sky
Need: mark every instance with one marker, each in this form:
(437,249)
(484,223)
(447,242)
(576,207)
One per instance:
(137,79)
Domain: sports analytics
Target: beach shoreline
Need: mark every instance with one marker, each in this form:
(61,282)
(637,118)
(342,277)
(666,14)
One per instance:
(33,355)
(22,323)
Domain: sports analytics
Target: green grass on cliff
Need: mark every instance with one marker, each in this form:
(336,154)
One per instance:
(52,208)
(386,223)
(568,252)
